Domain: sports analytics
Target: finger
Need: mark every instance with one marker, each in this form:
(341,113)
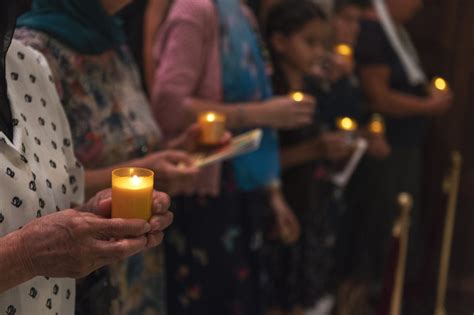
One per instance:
(161,202)
(154,239)
(104,208)
(113,251)
(121,228)
(161,222)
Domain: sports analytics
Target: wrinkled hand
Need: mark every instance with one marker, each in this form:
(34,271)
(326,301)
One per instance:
(285,113)
(101,205)
(335,146)
(72,244)
(175,172)
(189,140)
(287,225)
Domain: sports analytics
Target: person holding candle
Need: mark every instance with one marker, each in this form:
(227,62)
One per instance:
(112,127)
(47,238)
(297,34)
(394,85)
(209,58)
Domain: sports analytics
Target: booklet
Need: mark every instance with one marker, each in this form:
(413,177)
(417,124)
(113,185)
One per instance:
(242,144)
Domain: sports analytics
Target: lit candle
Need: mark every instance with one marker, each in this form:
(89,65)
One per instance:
(132,193)
(377,124)
(440,84)
(345,51)
(346,124)
(212,127)
(297,96)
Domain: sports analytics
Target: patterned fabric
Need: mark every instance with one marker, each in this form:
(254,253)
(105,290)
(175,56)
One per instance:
(111,123)
(213,253)
(245,79)
(213,246)
(94,30)
(38,172)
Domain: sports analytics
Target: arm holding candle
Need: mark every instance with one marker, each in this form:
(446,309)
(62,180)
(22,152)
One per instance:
(174,169)
(73,243)
(376,84)
(279,112)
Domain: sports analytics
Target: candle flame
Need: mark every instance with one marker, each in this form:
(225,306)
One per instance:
(136,180)
(211,117)
(347,124)
(440,84)
(344,50)
(298,96)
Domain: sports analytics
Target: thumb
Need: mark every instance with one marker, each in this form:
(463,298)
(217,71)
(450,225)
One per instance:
(104,208)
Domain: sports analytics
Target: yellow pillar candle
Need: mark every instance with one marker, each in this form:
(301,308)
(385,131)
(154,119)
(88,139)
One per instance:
(212,127)
(440,84)
(346,124)
(132,193)
(345,51)
(297,96)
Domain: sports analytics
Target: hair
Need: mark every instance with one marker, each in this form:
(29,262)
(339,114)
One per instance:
(340,5)
(287,18)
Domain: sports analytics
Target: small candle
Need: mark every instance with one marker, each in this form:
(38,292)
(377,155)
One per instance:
(212,127)
(440,84)
(377,124)
(132,193)
(297,96)
(344,50)
(346,124)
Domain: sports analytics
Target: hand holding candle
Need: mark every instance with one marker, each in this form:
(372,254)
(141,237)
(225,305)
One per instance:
(213,128)
(440,96)
(345,51)
(132,191)
(346,124)
(297,97)
(440,84)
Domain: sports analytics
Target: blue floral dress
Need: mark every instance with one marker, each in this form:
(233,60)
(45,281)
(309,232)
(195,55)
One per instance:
(111,123)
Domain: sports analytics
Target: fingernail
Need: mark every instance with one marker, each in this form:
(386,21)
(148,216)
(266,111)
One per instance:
(147,227)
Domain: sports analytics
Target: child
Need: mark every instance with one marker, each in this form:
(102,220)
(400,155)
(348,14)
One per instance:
(296,33)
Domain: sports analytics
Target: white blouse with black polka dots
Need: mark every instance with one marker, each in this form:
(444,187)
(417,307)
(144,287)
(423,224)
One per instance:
(38,174)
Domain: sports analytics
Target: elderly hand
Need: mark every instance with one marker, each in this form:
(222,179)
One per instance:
(101,205)
(74,243)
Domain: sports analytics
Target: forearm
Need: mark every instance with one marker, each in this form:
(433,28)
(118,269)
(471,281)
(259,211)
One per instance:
(301,153)
(239,115)
(13,267)
(398,104)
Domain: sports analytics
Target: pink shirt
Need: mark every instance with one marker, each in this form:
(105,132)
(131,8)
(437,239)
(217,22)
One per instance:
(188,66)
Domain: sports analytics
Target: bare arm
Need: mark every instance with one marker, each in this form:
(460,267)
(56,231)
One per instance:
(304,152)
(376,84)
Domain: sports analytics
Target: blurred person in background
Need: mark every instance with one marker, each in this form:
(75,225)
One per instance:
(209,57)
(394,85)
